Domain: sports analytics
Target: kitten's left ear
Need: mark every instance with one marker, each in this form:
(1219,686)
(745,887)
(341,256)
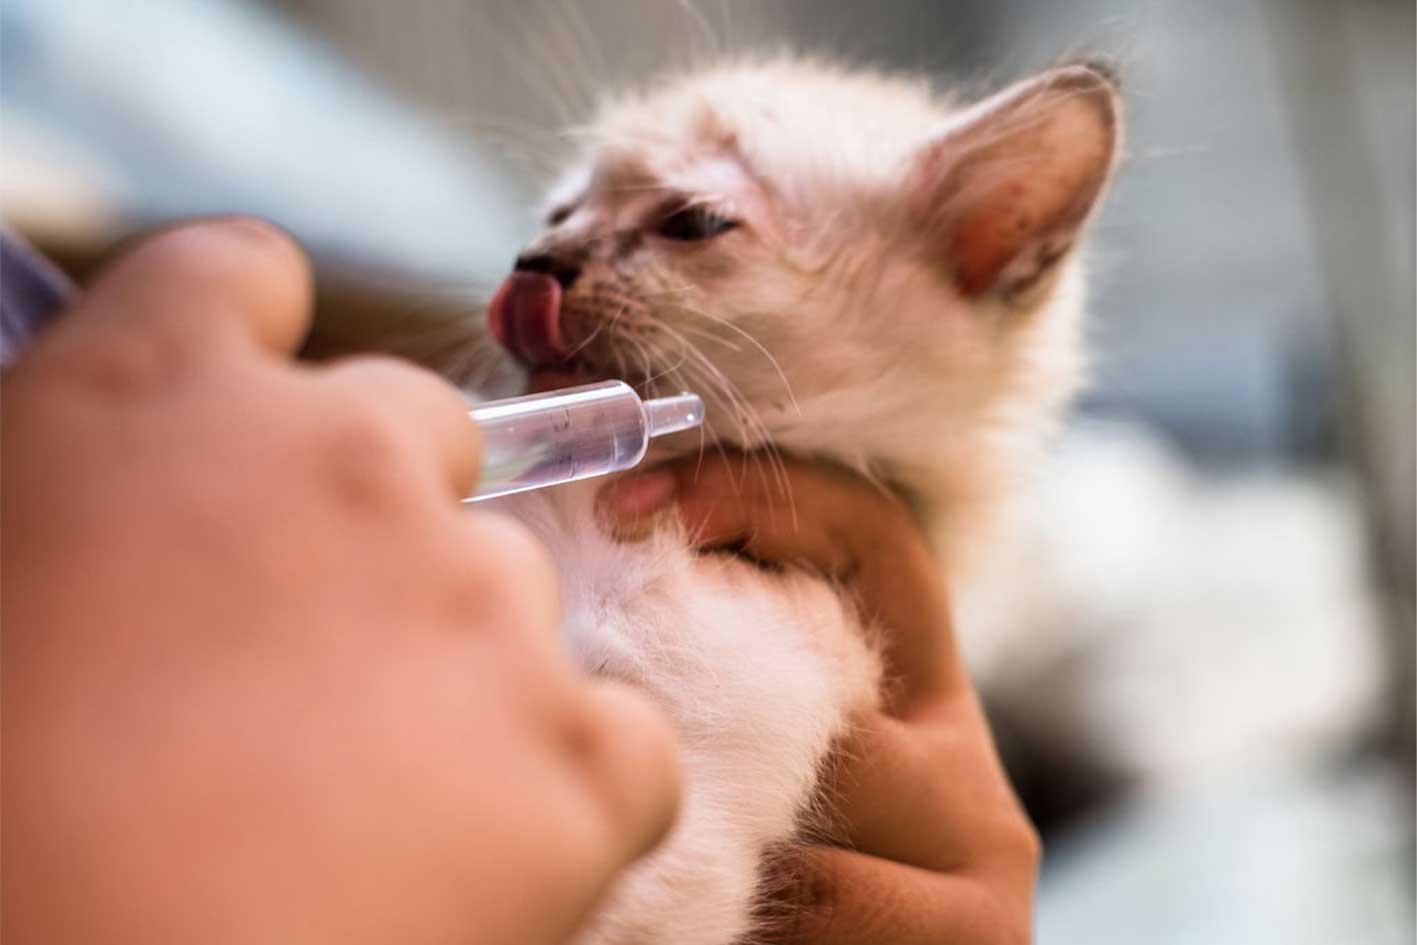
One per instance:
(1005,191)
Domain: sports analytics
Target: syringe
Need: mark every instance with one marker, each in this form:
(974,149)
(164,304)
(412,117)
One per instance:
(546,439)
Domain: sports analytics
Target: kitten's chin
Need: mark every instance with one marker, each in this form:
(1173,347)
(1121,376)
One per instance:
(546,379)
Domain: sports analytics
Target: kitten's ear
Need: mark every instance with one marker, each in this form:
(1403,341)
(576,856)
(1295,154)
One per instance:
(1005,191)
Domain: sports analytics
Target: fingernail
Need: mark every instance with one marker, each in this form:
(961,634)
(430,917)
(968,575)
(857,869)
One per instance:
(638,496)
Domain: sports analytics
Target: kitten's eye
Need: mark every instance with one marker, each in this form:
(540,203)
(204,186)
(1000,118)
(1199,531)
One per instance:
(559,215)
(695,223)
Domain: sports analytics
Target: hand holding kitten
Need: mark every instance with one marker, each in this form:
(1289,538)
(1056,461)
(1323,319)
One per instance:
(937,846)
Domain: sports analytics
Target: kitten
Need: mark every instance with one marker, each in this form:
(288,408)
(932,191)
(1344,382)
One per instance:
(846,266)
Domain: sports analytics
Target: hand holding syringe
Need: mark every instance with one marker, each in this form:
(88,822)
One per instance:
(546,439)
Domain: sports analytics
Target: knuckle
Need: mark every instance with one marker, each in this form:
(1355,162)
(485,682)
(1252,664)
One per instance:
(269,236)
(125,366)
(252,235)
(372,363)
(516,570)
(375,369)
(1014,841)
(1027,843)
(384,375)
(625,750)
(366,454)
(269,265)
(369,374)
(1032,841)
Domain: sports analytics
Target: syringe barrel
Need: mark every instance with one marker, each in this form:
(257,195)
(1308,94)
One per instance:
(545,439)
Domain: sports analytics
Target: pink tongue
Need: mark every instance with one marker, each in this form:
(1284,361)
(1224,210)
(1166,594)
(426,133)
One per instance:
(525,316)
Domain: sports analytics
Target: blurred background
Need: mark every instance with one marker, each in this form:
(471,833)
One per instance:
(1205,689)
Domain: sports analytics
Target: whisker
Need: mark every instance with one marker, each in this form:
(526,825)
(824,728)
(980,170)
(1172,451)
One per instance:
(759,447)
(676,292)
(776,366)
(749,421)
(710,390)
(710,336)
(598,329)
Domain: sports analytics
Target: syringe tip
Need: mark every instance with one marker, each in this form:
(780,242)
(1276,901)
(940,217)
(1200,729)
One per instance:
(673,414)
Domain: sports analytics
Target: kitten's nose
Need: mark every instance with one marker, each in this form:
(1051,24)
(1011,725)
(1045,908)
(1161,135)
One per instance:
(561,270)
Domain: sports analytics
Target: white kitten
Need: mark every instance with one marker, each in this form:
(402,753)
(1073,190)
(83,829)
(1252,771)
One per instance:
(845,266)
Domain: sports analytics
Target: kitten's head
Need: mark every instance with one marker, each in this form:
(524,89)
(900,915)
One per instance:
(841,264)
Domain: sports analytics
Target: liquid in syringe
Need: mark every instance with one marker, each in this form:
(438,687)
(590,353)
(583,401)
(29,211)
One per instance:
(547,439)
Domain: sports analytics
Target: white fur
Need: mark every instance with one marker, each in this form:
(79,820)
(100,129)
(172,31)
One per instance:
(759,672)
(828,326)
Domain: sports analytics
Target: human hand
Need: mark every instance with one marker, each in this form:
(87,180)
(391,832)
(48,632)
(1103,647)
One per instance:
(938,847)
(264,678)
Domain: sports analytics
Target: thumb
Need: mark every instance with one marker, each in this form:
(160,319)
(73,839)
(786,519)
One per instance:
(191,283)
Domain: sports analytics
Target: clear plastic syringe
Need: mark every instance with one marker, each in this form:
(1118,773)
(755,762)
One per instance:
(546,439)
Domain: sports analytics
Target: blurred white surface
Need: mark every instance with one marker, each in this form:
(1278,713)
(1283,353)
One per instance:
(1272,853)
(146,110)
(1186,621)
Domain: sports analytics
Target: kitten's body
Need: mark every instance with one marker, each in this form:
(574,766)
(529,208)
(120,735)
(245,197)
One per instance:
(759,673)
(882,281)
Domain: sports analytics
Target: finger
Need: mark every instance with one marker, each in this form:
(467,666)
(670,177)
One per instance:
(196,280)
(827,520)
(722,503)
(630,748)
(422,405)
(827,896)
(931,792)
(900,589)
(502,570)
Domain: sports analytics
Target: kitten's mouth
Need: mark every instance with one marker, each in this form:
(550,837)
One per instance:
(525,316)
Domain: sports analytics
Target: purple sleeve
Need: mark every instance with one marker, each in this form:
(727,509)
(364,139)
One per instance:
(32,290)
